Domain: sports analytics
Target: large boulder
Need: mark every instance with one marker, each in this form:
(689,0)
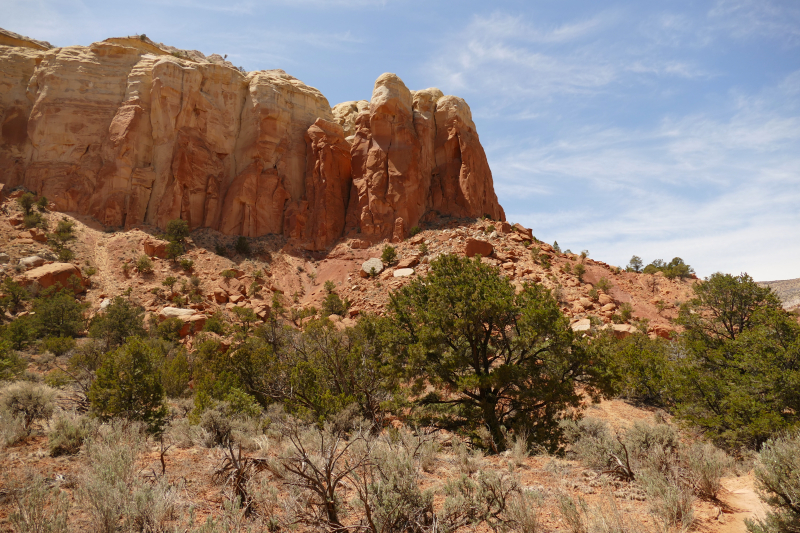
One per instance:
(155,247)
(31,261)
(49,275)
(193,321)
(371,267)
(475,247)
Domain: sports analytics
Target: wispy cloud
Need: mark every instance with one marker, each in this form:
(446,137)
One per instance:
(517,61)
(772,19)
(720,192)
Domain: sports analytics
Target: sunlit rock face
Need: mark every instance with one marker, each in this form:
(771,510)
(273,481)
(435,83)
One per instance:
(130,133)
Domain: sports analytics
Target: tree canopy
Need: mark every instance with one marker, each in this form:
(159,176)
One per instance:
(497,359)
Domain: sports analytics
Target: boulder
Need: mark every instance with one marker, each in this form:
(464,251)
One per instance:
(475,246)
(370,265)
(408,262)
(155,247)
(105,303)
(623,330)
(583,324)
(504,227)
(49,275)
(522,230)
(608,308)
(174,312)
(358,244)
(220,295)
(605,299)
(192,324)
(403,272)
(31,261)
(4,258)
(38,235)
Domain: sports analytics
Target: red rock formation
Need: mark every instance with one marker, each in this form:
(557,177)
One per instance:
(127,132)
(319,219)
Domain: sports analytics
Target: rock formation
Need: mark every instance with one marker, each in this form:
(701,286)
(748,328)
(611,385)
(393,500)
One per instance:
(133,132)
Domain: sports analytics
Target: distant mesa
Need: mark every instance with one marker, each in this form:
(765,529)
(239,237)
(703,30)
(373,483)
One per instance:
(134,132)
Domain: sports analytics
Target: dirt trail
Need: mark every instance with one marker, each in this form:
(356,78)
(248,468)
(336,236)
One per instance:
(741,502)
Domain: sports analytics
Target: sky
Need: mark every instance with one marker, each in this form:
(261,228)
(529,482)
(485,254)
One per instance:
(659,129)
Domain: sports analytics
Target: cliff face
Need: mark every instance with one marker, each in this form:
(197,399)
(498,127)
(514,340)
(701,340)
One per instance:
(131,133)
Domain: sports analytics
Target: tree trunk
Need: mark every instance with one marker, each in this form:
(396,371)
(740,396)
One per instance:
(490,417)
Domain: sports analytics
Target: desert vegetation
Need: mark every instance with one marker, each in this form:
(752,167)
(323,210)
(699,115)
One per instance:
(467,404)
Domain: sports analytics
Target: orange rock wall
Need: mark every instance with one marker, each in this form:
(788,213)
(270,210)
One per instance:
(129,135)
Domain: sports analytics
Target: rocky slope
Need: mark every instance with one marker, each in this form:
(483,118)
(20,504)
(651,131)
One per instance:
(788,290)
(135,133)
(298,276)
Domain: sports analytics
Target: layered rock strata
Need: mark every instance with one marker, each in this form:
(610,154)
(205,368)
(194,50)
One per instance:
(133,133)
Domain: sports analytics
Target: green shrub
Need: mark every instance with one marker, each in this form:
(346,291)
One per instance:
(177,230)
(217,422)
(11,364)
(423,248)
(67,434)
(707,465)
(26,202)
(415,230)
(144,265)
(490,228)
(626,311)
(58,314)
(334,305)
(388,255)
(603,285)
(246,316)
(15,294)
(41,204)
(20,331)
(169,282)
(128,385)
(174,250)
(635,264)
(176,374)
(169,329)
(40,508)
(556,247)
(216,324)
(228,274)
(778,480)
(242,246)
(220,250)
(242,404)
(58,346)
(61,237)
(670,500)
(187,264)
(34,220)
(593,294)
(120,320)
(579,271)
(31,401)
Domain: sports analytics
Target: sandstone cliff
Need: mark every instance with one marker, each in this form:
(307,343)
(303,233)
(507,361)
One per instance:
(133,132)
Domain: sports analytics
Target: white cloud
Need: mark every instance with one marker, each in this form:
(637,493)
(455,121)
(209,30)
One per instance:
(772,19)
(721,192)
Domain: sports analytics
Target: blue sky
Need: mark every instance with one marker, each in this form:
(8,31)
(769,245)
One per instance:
(659,129)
